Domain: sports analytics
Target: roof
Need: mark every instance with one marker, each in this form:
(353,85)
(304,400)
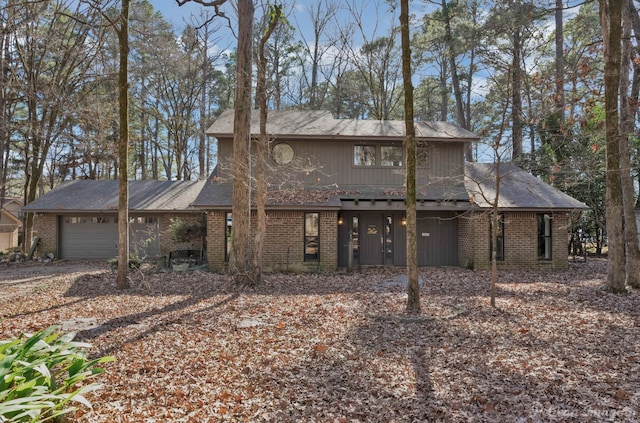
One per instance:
(102,195)
(518,189)
(321,124)
(218,194)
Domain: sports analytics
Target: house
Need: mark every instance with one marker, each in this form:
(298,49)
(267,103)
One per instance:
(79,219)
(10,223)
(337,198)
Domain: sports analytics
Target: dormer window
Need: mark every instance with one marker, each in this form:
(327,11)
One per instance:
(391,155)
(364,155)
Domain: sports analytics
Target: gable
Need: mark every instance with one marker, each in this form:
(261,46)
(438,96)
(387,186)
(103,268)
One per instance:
(518,189)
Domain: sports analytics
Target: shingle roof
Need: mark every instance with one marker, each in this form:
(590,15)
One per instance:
(319,124)
(218,195)
(102,196)
(518,189)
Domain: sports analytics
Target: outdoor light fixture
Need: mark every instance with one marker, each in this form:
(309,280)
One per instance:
(340,219)
(404,221)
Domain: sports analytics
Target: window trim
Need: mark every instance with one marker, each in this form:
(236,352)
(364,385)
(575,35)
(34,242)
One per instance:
(545,240)
(364,165)
(402,159)
(228,225)
(500,256)
(310,238)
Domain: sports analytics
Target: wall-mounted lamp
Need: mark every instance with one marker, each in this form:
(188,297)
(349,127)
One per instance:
(340,219)
(404,221)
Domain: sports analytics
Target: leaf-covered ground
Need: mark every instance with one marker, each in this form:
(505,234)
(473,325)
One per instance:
(339,348)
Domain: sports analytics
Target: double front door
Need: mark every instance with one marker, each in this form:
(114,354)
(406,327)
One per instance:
(379,239)
(377,242)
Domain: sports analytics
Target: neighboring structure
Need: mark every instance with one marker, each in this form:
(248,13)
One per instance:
(336,200)
(79,219)
(10,223)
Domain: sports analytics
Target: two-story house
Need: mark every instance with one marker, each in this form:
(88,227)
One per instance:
(337,198)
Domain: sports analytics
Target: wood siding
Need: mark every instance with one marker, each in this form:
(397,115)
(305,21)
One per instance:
(330,162)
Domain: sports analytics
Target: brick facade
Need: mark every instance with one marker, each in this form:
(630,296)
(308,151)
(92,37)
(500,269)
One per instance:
(520,241)
(284,241)
(45,226)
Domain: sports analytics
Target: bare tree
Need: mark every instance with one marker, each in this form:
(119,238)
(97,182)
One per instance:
(413,286)
(240,254)
(123,148)
(627,112)
(275,13)
(611,18)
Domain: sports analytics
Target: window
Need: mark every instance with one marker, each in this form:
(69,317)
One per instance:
(544,237)
(355,234)
(311,237)
(391,155)
(364,155)
(228,223)
(499,239)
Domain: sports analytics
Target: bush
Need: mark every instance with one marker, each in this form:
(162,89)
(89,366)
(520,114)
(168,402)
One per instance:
(40,374)
(188,231)
(135,262)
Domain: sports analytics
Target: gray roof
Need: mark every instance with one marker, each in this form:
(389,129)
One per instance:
(102,196)
(518,189)
(218,195)
(320,124)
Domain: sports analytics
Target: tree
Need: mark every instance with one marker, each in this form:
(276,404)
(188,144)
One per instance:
(240,254)
(123,148)
(275,14)
(611,18)
(628,110)
(413,286)
(320,15)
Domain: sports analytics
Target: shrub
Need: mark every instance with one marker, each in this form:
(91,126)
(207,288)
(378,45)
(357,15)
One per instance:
(134,262)
(43,374)
(188,231)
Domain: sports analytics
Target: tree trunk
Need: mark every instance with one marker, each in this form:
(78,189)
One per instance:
(516,97)
(263,142)
(413,287)
(632,253)
(239,258)
(123,149)
(610,18)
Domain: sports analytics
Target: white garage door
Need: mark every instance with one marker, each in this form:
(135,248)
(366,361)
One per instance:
(96,237)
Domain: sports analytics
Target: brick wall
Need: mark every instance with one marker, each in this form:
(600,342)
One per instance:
(520,242)
(284,241)
(46,227)
(465,241)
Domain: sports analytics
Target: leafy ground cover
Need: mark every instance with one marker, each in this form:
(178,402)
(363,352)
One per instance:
(339,348)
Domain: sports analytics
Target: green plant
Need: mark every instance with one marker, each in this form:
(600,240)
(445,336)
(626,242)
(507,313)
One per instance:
(40,374)
(188,231)
(134,262)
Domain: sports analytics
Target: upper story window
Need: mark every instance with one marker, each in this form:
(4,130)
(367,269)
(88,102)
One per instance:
(364,155)
(544,237)
(391,155)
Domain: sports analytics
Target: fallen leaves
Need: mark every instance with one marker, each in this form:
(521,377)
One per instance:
(338,347)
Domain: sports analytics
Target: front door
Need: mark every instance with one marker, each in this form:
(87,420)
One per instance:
(372,239)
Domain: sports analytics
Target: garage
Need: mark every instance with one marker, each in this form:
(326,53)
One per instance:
(96,237)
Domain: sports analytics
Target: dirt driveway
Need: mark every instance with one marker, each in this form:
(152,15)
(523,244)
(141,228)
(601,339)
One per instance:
(15,278)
